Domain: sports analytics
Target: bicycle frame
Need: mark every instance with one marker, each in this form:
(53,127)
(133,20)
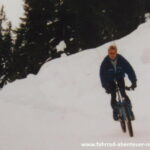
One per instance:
(121,104)
(124,114)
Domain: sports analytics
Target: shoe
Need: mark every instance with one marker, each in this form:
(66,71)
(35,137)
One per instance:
(115,114)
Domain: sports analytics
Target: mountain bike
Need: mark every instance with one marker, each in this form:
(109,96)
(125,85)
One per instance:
(125,115)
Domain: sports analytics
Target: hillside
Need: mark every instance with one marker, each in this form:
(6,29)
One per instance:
(64,105)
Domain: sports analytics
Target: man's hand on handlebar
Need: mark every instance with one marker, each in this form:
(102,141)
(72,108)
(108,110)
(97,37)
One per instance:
(132,87)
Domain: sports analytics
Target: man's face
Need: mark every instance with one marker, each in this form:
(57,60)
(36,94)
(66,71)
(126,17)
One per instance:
(112,53)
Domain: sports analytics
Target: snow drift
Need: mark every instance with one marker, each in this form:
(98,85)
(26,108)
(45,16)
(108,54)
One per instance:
(65,105)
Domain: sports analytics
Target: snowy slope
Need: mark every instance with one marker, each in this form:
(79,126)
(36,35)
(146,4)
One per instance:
(64,105)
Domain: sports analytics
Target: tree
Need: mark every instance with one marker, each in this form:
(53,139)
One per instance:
(34,35)
(5,47)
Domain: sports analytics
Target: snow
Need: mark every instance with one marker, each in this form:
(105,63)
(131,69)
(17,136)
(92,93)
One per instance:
(147,16)
(61,46)
(65,105)
(14,10)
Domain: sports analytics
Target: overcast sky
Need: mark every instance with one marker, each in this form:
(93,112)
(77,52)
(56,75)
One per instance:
(13,9)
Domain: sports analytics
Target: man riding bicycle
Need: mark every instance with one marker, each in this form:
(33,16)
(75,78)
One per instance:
(112,70)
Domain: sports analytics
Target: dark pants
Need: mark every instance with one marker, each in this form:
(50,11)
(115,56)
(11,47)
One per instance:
(121,85)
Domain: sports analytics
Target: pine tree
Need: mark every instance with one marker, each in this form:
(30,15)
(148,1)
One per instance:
(5,47)
(36,35)
(2,18)
(92,23)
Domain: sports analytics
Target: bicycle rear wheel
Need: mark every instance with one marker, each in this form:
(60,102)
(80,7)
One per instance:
(130,129)
(123,125)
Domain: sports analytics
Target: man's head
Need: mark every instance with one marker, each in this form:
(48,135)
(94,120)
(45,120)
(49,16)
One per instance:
(112,52)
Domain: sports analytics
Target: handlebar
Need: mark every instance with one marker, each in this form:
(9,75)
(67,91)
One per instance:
(128,88)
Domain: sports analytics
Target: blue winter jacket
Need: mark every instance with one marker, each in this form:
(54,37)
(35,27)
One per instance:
(108,73)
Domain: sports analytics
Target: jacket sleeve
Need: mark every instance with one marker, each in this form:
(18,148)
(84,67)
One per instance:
(102,74)
(129,70)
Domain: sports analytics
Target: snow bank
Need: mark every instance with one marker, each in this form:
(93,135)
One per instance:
(64,105)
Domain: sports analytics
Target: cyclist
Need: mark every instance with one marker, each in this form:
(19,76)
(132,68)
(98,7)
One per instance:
(112,70)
